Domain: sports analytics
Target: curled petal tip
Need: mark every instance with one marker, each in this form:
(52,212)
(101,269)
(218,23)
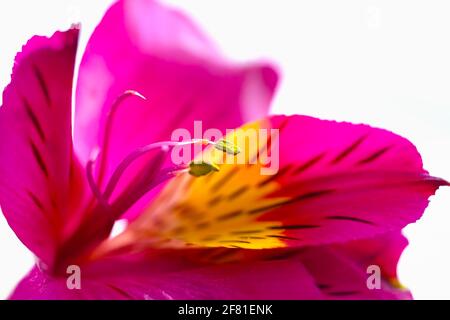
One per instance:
(438,181)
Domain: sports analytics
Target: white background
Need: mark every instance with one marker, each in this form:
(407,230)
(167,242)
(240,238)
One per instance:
(386,63)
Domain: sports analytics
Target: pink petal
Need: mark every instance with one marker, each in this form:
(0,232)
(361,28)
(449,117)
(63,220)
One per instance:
(384,251)
(322,272)
(144,46)
(343,271)
(342,277)
(39,175)
(346,181)
(166,279)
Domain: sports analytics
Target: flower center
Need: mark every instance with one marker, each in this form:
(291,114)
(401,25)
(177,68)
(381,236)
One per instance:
(103,211)
(153,173)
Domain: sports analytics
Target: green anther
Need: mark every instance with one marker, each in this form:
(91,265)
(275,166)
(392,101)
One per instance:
(202,168)
(226,146)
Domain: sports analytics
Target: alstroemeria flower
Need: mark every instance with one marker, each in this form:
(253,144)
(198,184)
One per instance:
(339,200)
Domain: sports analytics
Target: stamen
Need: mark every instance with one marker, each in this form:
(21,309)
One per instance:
(227,147)
(108,128)
(202,168)
(151,175)
(90,178)
(163,145)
